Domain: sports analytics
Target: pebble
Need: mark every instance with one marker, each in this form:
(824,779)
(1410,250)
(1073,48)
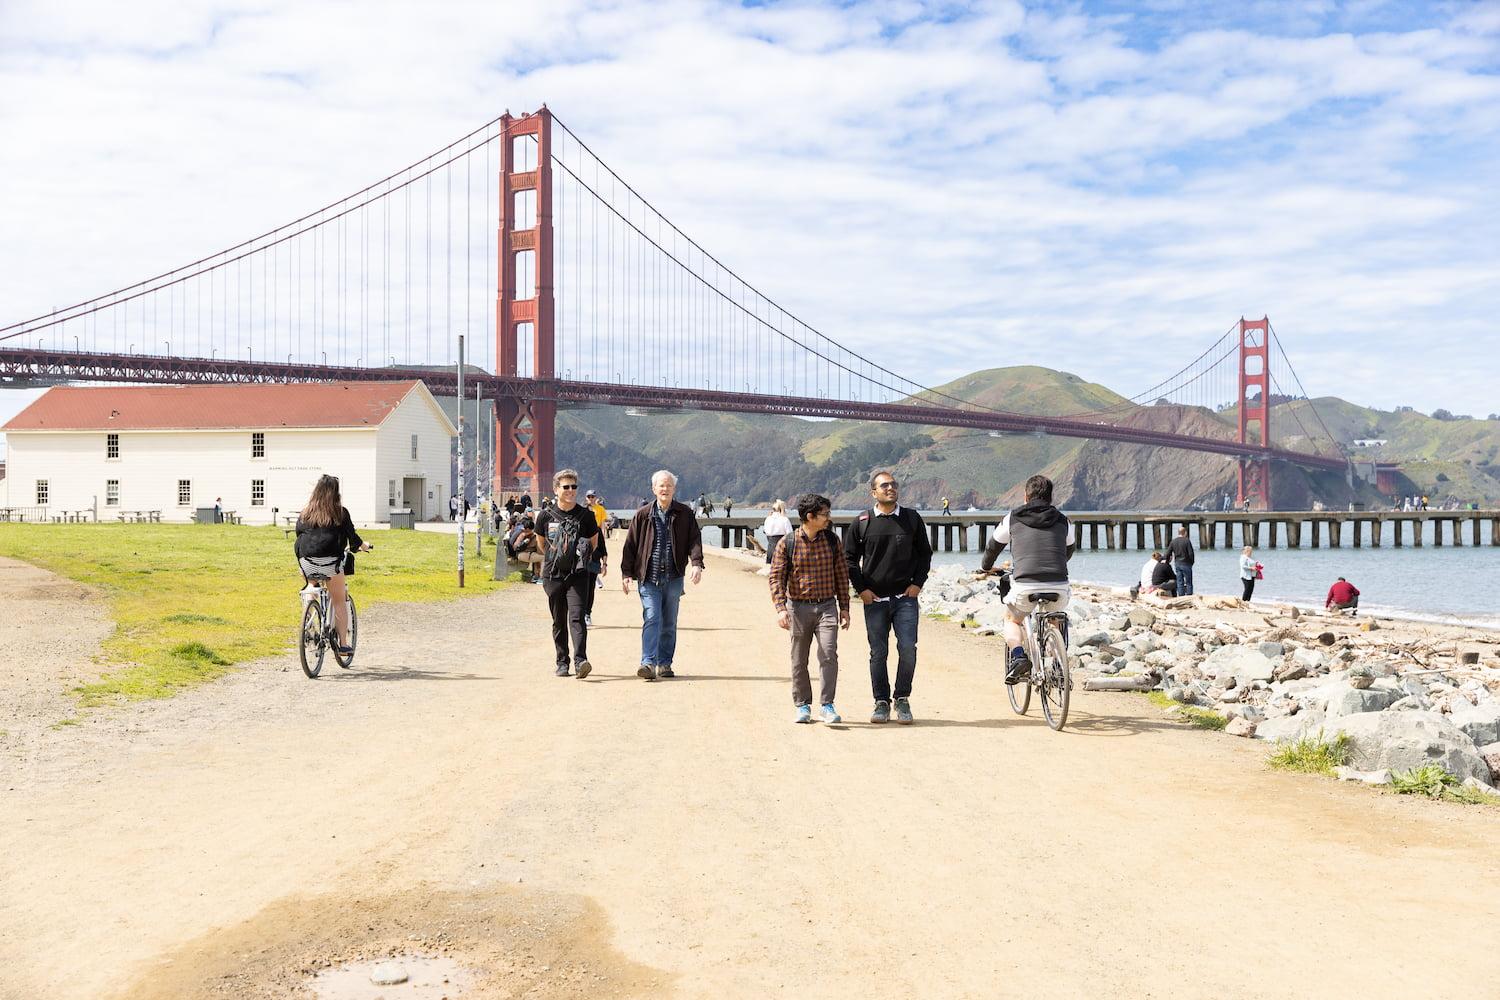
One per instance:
(387,974)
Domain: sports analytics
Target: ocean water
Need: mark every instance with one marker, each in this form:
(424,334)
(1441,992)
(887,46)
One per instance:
(1448,584)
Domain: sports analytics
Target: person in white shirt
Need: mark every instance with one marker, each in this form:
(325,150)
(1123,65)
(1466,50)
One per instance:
(1248,569)
(777,527)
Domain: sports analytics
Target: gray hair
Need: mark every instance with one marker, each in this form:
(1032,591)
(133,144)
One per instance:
(659,473)
(564,474)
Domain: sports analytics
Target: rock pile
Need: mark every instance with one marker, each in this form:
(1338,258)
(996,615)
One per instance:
(1401,703)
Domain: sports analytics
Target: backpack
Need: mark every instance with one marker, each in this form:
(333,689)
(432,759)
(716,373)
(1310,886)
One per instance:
(789,543)
(561,560)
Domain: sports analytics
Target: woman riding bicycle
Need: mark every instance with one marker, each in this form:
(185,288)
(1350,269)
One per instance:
(324,531)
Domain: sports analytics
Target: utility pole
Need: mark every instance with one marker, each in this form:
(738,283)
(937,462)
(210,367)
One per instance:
(479,527)
(461,494)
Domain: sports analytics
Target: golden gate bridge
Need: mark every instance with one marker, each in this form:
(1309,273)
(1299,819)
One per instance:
(580,291)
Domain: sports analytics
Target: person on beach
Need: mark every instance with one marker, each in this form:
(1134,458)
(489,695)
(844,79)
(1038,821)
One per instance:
(1042,542)
(777,526)
(1342,596)
(662,539)
(1163,581)
(810,592)
(569,540)
(1148,572)
(1181,551)
(1249,572)
(889,557)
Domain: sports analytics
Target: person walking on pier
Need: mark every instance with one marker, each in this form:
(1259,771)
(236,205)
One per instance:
(889,557)
(946,509)
(1182,554)
(570,541)
(662,539)
(777,527)
(1342,596)
(810,592)
(1250,571)
(729,506)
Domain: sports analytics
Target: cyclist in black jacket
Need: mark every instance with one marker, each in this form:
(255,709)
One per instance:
(324,531)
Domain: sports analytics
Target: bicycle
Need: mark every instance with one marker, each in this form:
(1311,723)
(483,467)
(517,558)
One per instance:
(1044,638)
(319,634)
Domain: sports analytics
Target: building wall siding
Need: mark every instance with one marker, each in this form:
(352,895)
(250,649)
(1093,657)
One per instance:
(417,414)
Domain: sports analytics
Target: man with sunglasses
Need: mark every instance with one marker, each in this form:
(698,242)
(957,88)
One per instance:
(569,539)
(889,558)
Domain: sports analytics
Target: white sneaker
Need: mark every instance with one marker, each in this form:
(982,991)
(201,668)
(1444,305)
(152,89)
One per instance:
(830,714)
(588,620)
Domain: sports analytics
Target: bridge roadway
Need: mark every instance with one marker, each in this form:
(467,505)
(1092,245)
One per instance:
(1152,531)
(36,364)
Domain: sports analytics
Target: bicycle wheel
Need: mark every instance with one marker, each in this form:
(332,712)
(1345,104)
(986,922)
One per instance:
(1057,681)
(1019,693)
(341,660)
(311,644)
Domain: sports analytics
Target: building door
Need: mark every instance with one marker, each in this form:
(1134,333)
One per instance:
(413,492)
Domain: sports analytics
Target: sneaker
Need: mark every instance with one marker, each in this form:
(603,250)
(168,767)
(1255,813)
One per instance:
(583,668)
(664,672)
(903,711)
(830,714)
(882,713)
(646,672)
(562,670)
(1019,668)
(804,713)
(588,621)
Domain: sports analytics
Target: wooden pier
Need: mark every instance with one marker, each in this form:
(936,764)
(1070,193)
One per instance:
(1147,532)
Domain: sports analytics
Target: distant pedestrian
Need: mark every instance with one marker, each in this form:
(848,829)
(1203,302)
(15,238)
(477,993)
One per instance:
(1246,503)
(598,567)
(946,510)
(218,510)
(662,540)
(729,506)
(569,541)
(701,503)
(810,592)
(777,527)
(889,557)
(453,507)
(1181,551)
(1250,571)
(1342,596)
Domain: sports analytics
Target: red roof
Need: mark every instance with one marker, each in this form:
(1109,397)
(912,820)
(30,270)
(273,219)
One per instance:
(212,407)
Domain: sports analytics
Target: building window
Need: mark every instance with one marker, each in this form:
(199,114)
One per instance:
(257,492)
(390,493)
(111,493)
(41,492)
(258,445)
(184,492)
(414,447)
(111,446)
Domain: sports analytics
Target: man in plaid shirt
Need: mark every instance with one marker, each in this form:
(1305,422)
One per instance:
(810,591)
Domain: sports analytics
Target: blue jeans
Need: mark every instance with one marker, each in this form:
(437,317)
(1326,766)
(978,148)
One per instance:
(898,614)
(1184,578)
(659,621)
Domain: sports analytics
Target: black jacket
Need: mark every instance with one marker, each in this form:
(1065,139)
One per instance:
(640,538)
(1162,574)
(887,554)
(1180,550)
(314,542)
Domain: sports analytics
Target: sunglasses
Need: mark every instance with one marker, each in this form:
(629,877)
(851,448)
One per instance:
(568,486)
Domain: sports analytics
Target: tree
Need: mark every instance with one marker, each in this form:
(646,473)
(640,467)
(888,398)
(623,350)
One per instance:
(1441,414)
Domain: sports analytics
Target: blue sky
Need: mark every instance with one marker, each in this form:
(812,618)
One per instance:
(1103,187)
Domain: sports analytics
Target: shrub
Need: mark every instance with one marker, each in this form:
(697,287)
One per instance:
(1310,754)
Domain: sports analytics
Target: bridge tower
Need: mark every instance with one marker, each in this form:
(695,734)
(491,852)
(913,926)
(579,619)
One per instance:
(1255,373)
(524,310)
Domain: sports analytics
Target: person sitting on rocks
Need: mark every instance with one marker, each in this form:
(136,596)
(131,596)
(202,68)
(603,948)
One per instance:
(1342,596)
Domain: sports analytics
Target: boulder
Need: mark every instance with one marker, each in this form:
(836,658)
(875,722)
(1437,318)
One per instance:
(1295,670)
(1327,638)
(1411,703)
(1401,741)
(1290,728)
(1183,646)
(1271,650)
(1481,723)
(1115,623)
(1094,639)
(1240,727)
(1475,785)
(1244,663)
(1360,676)
(1353,701)
(1491,755)
(1141,617)
(1380,777)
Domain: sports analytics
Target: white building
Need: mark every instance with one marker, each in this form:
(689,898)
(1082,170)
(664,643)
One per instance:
(254,449)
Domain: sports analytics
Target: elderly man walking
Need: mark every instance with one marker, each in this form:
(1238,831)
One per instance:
(662,540)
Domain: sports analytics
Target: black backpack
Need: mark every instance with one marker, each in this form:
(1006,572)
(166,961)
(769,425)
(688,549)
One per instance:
(789,542)
(561,560)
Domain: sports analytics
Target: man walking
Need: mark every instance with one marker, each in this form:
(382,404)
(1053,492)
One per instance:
(1181,552)
(662,539)
(453,507)
(888,557)
(599,567)
(569,541)
(810,592)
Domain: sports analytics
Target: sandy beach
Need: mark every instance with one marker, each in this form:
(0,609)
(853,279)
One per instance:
(611,837)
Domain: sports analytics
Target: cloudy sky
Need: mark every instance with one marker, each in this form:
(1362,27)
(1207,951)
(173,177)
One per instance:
(1103,187)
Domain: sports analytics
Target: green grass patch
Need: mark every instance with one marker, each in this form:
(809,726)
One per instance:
(1198,718)
(1432,781)
(1310,755)
(190,601)
(64,723)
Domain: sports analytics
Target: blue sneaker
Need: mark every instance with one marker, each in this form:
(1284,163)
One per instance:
(903,712)
(830,714)
(804,713)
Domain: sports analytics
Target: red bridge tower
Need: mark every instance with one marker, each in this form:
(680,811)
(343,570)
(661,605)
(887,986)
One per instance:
(1255,373)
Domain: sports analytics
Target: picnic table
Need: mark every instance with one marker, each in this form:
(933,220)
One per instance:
(73,516)
(141,516)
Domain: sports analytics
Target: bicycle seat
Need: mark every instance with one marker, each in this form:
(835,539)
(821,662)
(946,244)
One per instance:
(1041,596)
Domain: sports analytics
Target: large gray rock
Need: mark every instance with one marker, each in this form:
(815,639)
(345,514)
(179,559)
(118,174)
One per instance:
(1491,755)
(1115,623)
(1240,727)
(1412,703)
(1400,741)
(1353,701)
(1141,617)
(1481,723)
(1244,663)
(1290,728)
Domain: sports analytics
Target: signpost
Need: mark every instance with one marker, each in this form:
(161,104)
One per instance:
(461,494)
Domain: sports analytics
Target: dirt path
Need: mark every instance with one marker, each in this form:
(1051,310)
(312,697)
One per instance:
(612,837)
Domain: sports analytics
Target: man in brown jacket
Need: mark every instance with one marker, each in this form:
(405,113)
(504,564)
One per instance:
(663,538)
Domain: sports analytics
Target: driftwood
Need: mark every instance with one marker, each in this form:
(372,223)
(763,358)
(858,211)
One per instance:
(1139,683)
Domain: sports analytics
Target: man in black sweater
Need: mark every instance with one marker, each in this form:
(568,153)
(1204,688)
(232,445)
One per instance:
(1180,553)
(889,558)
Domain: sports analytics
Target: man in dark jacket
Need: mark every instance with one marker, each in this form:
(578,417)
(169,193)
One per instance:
(663,538)
(889,558)
(1041,541)
(1180,552)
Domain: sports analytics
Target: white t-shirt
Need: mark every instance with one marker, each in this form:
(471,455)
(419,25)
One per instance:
(777,524)
(1147,571)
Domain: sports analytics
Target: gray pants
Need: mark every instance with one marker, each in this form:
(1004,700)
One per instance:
(809,621)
